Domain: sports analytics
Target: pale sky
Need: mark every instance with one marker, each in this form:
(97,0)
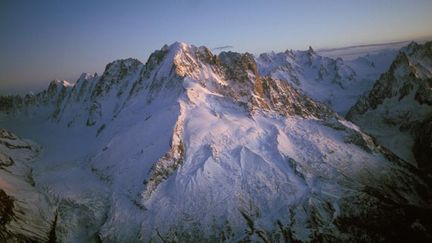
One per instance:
(56,39)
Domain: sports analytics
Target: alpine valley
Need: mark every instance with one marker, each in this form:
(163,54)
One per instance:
(197,147)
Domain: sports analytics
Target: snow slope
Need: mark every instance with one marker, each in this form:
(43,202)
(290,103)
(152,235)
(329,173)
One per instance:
(197,147)
(25,213)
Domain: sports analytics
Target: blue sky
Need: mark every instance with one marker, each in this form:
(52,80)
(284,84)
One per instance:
(59,39)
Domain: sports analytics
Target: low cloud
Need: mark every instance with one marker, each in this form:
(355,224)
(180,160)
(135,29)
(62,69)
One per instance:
(221,48)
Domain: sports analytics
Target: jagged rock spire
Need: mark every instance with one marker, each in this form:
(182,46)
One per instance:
(311,50)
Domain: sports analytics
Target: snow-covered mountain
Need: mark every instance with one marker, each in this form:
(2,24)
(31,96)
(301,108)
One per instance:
(335,82)
(398,108)
(197,147)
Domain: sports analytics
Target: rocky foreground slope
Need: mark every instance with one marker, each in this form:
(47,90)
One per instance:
(203,147)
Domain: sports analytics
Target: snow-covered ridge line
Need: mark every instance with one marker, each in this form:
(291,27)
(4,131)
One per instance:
(103,97)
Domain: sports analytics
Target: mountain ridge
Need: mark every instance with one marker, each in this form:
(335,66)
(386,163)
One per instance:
(193,146)
(399,101)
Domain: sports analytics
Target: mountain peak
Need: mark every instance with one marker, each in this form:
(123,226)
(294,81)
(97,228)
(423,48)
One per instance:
(121,64)
(401,60)
(238,65)
(311,50)
(411,48)
(177,46)
(54,84)
(184,58)
(87,76)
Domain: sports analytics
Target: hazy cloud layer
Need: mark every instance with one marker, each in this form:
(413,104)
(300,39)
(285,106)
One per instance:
(222,48)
